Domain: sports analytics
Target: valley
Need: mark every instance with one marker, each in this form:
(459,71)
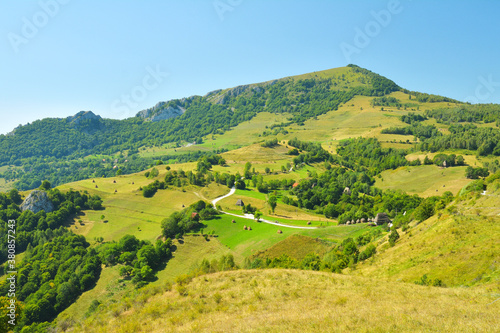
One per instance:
(322,155)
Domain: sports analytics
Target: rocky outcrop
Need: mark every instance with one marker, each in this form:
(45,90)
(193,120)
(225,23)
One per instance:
(37,201)
(81,116)
(233,92)
(161,112)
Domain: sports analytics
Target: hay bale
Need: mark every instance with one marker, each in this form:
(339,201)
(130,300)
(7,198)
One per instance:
(382,218)
(309,223)
(93,181)
(114,181)
(245,227)
(96,186)
(363,220)
(249,228)
(280,232)
(358,221)
(348,223)
(233,221)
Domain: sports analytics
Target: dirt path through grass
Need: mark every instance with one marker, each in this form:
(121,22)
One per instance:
(250,216)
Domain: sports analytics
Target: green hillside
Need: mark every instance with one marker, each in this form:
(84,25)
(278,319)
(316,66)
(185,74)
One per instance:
(458,246)
(138,242)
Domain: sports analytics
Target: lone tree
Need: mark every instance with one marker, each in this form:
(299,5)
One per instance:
(45,185)
(393,237)
(273,201)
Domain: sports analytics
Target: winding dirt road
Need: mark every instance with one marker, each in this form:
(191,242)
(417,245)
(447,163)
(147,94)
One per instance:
(250,216)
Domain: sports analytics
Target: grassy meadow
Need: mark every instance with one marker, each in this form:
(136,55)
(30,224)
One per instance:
(279,300)
(456,246)
(424,180)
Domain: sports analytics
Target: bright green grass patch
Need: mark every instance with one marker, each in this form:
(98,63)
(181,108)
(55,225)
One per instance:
(264,235)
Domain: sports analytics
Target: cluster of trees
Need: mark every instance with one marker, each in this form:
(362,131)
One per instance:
(187,220)
(484,140)
(451,160)
(270,143)
(492,166)
(429,98)
(391,101)
(416,129)
(476,173)
(412,117)
(205,163)
(53,275)
(367,155)
(313,152)
(326,194)
(150,190)
(34,228)
(487,113)
(140,258)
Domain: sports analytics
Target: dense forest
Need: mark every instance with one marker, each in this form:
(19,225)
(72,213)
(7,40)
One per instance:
(57,265)
(34,229)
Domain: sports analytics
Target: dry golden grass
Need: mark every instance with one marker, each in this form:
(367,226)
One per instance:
(461,249)
(302,301)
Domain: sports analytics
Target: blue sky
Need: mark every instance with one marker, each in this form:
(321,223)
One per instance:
(58,57)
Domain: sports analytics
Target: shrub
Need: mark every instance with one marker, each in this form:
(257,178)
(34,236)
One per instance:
(393,237)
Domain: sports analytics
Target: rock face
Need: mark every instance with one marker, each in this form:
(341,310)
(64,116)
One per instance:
(37,201)
(81,116)
(161,112)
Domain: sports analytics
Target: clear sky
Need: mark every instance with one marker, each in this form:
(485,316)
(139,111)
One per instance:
(58,57)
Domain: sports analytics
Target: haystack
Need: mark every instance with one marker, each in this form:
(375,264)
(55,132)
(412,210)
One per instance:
(382,218)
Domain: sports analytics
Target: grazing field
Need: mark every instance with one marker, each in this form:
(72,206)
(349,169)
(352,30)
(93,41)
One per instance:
(279,300)
(424,180)
(263,235)
(127,211)
(188,254)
